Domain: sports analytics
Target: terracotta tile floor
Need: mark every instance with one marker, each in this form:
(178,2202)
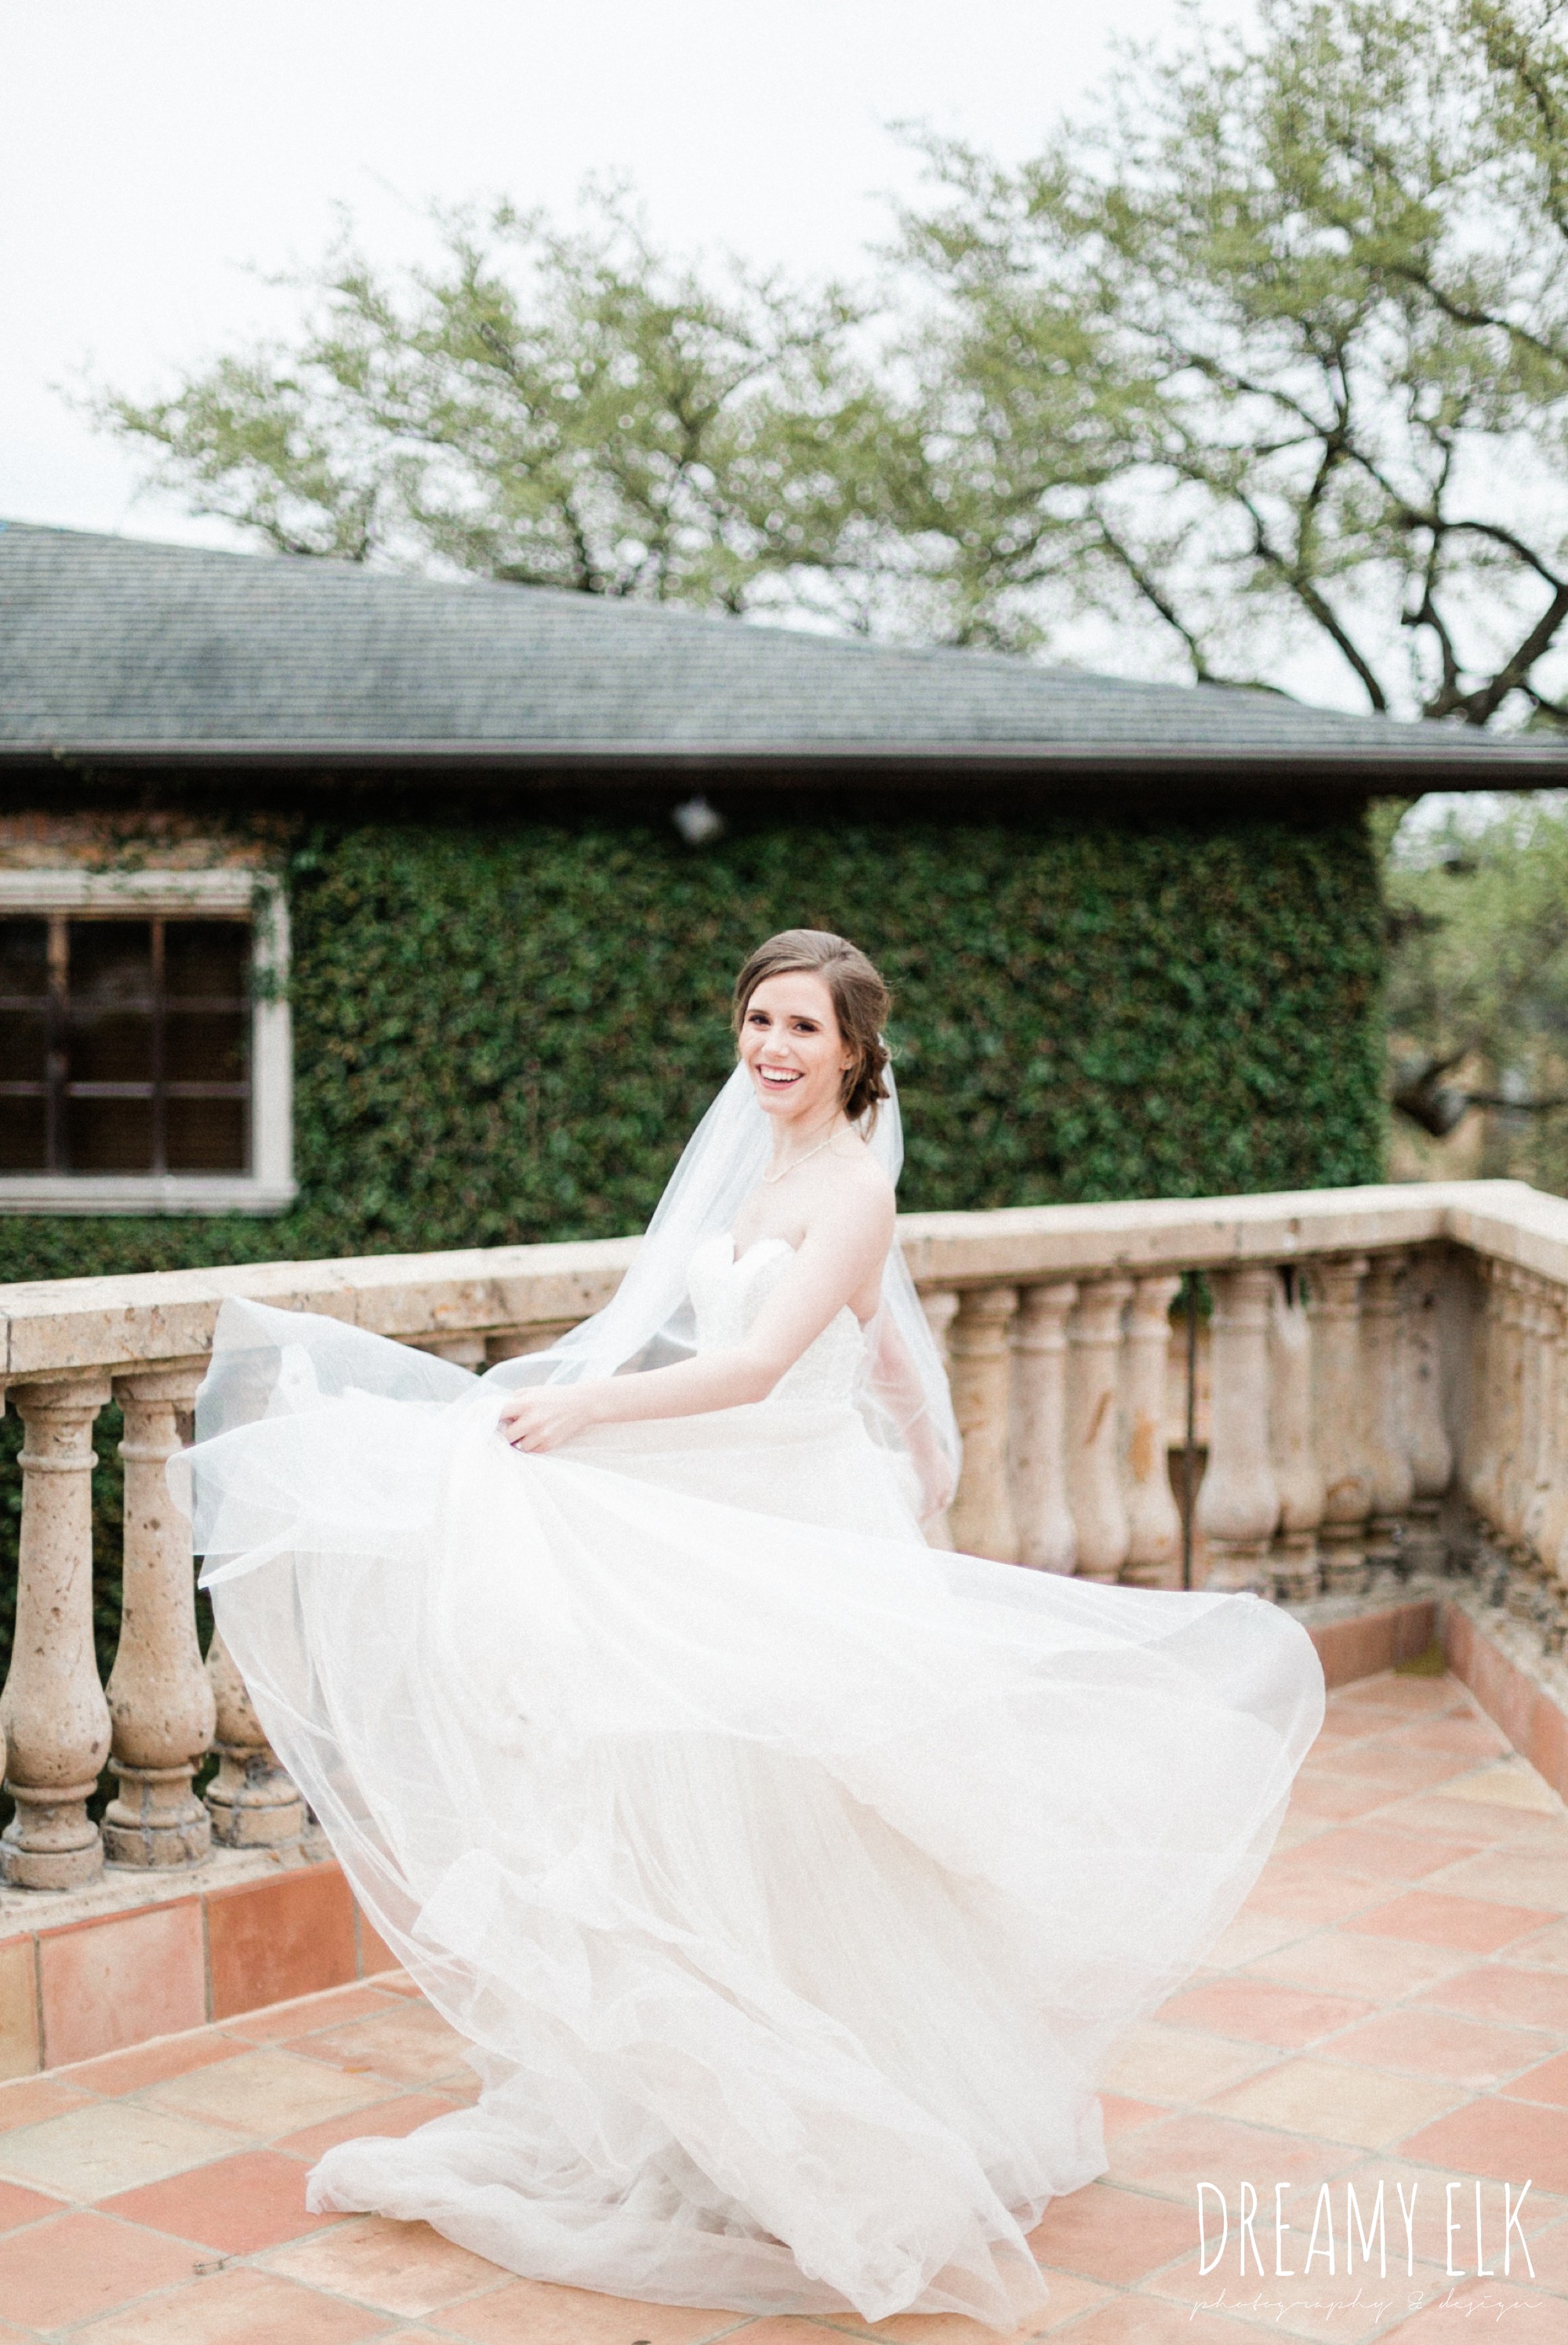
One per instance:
(1391,2007)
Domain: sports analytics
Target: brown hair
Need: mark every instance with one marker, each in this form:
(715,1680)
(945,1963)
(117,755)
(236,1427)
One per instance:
(860,1003)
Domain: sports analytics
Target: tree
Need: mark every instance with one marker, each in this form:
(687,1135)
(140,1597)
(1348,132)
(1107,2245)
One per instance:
(1273,352)
(1269,356)
(558,409)
(1478,990)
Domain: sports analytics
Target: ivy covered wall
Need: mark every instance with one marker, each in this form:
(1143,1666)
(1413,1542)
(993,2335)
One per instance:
(505,1028)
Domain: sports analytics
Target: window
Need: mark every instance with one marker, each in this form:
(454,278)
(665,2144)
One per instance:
(144,1060)
(124,1044)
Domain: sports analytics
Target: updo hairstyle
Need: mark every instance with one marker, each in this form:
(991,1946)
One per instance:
(861,1003)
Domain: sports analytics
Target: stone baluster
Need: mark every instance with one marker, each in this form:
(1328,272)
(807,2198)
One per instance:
(1239,1505)
(1553,1616)
(1516,1404)
(1047,1539)
(160,1700)
(940,1305)
(1526,1413)
(1430,1451)
(1338,1404)
(1553,1532)
(1094,1427)
(1529,1586)
(1534,1317)
(1154,1518)
(1481,1430)
(1298,1475)
(1505,1510)
(252,1801)
(979,1355)
(1387,1454)
(1543,1457)
(55,1718)
(1489,1484)
(1484,1440)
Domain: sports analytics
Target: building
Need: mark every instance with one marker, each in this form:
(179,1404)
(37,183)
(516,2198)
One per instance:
(342,912)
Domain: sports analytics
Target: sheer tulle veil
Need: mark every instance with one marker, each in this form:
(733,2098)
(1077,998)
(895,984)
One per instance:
(903,1397)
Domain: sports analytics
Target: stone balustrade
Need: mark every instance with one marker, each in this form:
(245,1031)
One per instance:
(1366,1374)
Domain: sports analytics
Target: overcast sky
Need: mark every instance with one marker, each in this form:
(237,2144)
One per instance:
(155,156)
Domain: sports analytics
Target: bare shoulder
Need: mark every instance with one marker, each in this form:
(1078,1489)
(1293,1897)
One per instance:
(871,1181)
(851,1190)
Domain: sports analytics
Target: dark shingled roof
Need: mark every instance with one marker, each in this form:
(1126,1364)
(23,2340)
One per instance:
(118,650)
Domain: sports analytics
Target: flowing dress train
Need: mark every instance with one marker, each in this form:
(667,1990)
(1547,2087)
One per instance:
(791,1881)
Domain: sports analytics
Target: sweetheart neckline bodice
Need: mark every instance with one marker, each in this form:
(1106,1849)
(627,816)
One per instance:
(737,1261)
(745,1253)
(724,1304)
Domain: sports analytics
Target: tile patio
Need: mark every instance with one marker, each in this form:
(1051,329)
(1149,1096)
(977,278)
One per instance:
(1390,2007)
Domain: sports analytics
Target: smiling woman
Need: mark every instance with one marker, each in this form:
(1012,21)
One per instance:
(791,1878)
(808,1014)
(805,1000)
(791,1042)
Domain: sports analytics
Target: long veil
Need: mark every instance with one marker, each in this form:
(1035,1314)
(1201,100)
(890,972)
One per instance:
(259,1361)
(904,1393)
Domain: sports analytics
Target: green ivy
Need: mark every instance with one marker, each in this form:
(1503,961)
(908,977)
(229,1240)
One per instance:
(506,1032)
(504,1029)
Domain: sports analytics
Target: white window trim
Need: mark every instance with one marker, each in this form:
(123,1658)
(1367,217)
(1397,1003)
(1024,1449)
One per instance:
(271,1187)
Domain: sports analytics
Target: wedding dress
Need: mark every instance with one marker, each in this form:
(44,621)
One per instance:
(791,1879)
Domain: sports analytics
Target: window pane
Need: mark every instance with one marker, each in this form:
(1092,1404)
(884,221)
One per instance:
(109,1047)
(108,1026)
(109,1135)
(111,963)
(24,957)
(207,1135)
(205,1046)
(122,1005)
(24,1046)
(207,956)
(22,1136)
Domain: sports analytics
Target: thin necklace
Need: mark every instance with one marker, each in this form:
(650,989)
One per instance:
(769,1178)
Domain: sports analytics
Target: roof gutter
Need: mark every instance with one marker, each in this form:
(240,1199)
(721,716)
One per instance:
(1403,768)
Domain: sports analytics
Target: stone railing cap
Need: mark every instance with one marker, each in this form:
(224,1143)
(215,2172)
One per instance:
(62,1326)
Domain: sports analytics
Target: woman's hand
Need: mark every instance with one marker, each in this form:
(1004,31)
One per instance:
(546,1416)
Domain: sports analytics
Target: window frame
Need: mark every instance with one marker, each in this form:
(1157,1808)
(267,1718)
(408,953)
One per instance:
(269,1187)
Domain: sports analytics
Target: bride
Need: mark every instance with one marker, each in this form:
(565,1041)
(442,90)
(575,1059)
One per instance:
(790,1878)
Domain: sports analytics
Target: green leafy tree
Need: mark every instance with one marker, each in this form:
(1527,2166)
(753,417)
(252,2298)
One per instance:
(556,409)
(1273,352)
(1270,354)
(1478,990)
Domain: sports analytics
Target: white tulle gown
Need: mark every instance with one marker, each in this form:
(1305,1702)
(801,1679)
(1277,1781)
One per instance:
(791,1880)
